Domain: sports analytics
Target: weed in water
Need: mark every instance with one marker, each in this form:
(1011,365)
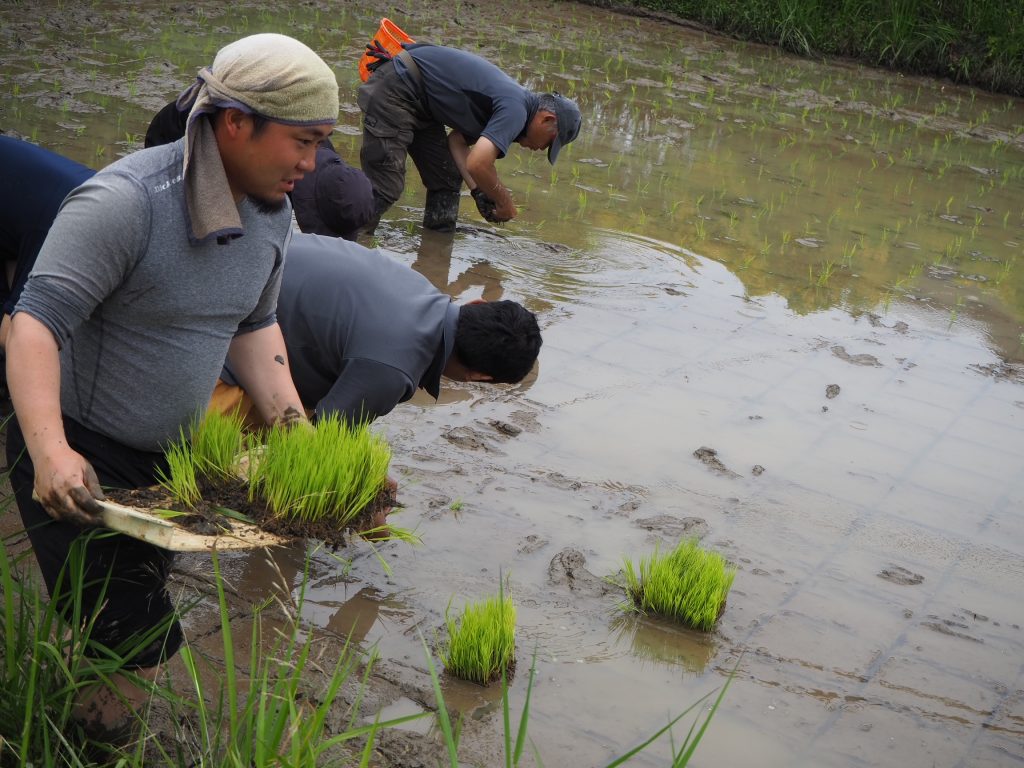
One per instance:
(480,646)
(689,584)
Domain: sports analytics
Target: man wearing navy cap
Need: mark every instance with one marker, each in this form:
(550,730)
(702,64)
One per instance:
(410,100)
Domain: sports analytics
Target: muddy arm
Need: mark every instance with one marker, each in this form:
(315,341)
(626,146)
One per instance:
(480,165)
(259,362)
(65,482)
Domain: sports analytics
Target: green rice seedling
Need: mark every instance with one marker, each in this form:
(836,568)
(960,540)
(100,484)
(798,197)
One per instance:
(689,584)
(480,646)
(210,450)
(330,471)
(217,442)
(181,480)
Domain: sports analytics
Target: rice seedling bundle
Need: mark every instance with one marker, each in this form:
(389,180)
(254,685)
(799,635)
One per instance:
(481,642)
(329,471)
(689,584)
(210,450)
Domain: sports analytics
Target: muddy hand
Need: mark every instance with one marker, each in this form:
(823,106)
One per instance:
(70,495)
(485,205)
(376,529)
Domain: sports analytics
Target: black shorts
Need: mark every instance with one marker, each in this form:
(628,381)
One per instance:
(123,580)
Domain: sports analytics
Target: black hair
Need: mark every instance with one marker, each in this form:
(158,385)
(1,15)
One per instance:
(259,122)
(498,338)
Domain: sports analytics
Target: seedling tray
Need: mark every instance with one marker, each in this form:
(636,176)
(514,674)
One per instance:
(151,527)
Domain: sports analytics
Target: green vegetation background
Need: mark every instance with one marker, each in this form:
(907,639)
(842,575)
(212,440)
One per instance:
(979,42)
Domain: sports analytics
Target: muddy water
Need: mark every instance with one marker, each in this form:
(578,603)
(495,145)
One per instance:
(813,270)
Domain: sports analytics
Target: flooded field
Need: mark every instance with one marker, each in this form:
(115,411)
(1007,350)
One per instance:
(814,270)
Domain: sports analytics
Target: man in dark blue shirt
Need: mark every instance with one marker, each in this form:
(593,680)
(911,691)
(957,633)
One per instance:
(408,102)
(33,184)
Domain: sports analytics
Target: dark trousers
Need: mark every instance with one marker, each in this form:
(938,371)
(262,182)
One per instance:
(396,123)
(122,580)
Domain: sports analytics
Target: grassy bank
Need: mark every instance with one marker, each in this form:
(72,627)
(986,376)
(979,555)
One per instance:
(978,42)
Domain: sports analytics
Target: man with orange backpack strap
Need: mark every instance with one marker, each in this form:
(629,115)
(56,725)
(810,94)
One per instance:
(410,99)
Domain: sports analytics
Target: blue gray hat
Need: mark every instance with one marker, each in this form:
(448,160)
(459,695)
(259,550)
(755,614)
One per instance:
(569,122)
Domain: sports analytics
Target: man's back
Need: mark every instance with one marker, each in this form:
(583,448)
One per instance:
(470,94)
(32,186)
(363,330)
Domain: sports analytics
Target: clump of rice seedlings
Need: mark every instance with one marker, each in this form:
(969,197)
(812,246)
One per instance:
(328,472)
(210,450)
(181,480)
(217,442)
(480,646)
(689,584)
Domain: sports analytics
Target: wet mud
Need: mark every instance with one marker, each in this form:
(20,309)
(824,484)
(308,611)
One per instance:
(777,263)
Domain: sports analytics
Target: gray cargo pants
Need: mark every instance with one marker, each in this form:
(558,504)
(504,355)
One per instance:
(396,123)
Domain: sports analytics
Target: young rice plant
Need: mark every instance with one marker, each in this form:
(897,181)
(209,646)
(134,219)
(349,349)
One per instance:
(328,472)
(688,584)
(211,449)
(481,642)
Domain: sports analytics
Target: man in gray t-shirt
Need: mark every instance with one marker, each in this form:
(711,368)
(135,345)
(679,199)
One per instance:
(153,270)
(409,101)
(365,331)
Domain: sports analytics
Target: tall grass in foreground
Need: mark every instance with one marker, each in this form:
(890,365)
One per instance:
(265,713)
(278,720)
(329,472)
(46,659)
(481,641)
(689,584)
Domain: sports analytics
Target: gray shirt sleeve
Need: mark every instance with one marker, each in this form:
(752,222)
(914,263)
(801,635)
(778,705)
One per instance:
(94,243)
(265,313)
(365,390)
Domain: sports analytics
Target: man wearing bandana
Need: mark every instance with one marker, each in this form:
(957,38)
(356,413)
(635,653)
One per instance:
(155,270)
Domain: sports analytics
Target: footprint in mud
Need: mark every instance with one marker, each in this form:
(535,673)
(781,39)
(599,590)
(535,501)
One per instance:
(862,359)
(675,527)
(566,570)
(526,420)
(899,575)
(1001,371)
(531,544)
(465,437)
(709,456)
(504,428)
(951,628)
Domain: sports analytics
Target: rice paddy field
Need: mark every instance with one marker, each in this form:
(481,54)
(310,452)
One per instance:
(783,311)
